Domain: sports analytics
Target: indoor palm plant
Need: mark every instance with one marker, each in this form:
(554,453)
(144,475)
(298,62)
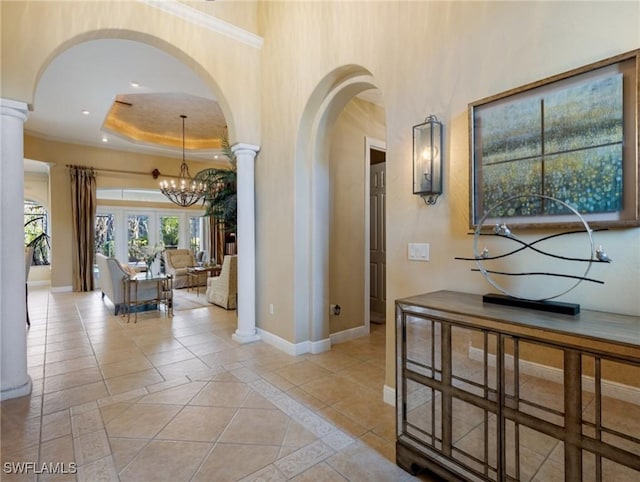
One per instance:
(221,199)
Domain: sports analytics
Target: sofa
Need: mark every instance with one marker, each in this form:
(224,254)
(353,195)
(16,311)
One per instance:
(176,262)
(223,290)
(110,280)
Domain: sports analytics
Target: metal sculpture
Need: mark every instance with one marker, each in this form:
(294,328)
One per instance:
(510,245)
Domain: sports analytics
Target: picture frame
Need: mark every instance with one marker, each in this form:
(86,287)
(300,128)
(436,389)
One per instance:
(572,136)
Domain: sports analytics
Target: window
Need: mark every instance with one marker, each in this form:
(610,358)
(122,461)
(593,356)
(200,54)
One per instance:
(137,236)
(36,232)
(170,231)
(127,233)
(195,234)
(105,235)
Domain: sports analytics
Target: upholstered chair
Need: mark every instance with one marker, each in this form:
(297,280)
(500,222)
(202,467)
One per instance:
(176,262)
(223,290)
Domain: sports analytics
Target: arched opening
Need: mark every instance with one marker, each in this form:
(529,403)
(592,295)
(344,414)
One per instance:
(117,63)
(313,209)
(85,75)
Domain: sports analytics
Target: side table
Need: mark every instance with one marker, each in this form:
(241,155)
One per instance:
(163,292)
(194,273)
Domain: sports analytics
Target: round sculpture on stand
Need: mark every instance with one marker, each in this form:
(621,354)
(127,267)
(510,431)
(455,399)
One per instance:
(509,261)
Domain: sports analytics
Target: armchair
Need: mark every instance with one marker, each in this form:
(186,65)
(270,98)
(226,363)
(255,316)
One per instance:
(176,262)
(223,290)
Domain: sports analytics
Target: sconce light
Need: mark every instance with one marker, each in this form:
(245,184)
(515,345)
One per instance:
(427,159)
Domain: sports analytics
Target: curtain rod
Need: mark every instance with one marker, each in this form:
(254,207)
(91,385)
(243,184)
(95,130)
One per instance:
(155,173)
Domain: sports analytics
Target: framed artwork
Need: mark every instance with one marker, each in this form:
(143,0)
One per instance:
(572,137)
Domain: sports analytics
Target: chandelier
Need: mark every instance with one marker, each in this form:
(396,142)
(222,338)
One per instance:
(186,192)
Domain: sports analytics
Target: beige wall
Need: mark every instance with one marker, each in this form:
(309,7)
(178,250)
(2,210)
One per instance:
(347,209)
(45,29)
(239,13)
(426,57)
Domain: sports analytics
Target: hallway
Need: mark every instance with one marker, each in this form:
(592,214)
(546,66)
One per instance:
(176,399)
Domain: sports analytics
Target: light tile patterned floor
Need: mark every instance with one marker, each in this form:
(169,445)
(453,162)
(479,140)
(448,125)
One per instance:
(176,399)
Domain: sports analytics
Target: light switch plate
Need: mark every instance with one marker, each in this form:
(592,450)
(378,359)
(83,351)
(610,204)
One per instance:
(418,251)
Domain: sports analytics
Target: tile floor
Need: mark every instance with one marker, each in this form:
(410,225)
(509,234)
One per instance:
(176,399)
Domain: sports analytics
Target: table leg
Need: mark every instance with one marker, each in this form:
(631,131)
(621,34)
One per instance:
(127,298)
(135,315)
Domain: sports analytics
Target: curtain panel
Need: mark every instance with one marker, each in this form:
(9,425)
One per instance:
(83,211)
(216,244)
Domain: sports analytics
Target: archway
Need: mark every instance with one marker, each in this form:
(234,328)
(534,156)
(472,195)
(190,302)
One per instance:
(40,33)
(156,43)
(311,237)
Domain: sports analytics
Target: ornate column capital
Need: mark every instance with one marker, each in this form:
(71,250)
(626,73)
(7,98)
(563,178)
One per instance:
(14,108)
(241,148)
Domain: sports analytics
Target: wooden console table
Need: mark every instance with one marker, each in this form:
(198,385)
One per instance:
(494,393)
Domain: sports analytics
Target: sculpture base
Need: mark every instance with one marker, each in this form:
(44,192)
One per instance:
(549,306)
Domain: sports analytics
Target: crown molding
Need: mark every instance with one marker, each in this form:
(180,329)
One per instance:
(201,19)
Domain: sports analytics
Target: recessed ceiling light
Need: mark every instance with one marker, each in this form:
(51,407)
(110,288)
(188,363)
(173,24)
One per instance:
(135,84)
(85,112)
(104,139)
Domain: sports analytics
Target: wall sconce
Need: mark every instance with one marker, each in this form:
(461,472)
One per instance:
(427,159)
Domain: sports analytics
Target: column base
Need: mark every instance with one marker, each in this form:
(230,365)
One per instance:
(244,337)
(15,392)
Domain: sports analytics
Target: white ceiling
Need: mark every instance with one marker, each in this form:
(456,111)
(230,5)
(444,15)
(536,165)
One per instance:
(90,75)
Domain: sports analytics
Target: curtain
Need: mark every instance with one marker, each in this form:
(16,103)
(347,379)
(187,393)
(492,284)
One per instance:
(214,239)
(215,231)
(83,212)
(213,253)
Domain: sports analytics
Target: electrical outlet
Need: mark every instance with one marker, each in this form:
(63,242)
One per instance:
(271,311)
(418,251)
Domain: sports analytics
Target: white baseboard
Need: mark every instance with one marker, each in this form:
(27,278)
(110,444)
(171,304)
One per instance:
(61,289)
(620,391)
(43,282)
(294,349)
(350,334)
(389,395)
(321,346)
(16,392)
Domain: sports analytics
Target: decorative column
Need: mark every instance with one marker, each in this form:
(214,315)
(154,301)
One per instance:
(14,379)
(246,243)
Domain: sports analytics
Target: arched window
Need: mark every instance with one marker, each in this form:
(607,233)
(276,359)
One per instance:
(36,232)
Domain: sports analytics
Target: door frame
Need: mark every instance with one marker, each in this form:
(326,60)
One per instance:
(369,143)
